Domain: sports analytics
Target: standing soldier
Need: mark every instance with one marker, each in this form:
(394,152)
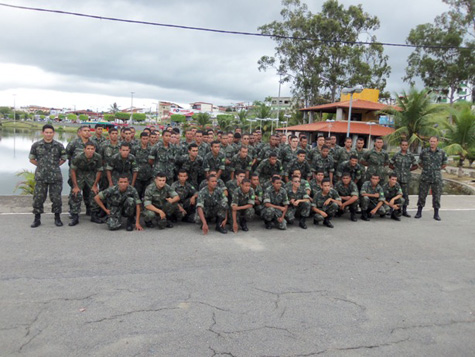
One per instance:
(154,138)
(108,149)
(353,168)
(360,148)
(325,204)
(268,168)
(345,152)
(122,200)
(162,157)
(203,148)
(98,139)
(324,162)
(228,151)
(317,150)
(214,160)
(86,170)
(431,160)
(372,199)
(393,200)
(193,164)
(161,202)
(299,202)
(276,203)
(243,200)
(123,163)
(259,193)
(288,153)
(234,184)
(188,195)
(144,176)
(47,155)
(266,150)
(212,203)
(376,159)
(316,182)
(241,161)
(403,162)
(299,163)
(348,192)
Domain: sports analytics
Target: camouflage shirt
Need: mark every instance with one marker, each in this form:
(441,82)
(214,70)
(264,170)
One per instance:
(184,191)
(314,186)
(48,156)
(241,199)
(376,162)
(238,163)
(108,150)
(368,188)
(193,167)
(207,199)
(98,141)
(319,198)
(402,166)
(299,195)
(350,190)
(220,185)
(86,169)
(344,155)
(115,198)
(74,148)
(259,192)
(323,163)
(203,149)
(163,159)
(432,162)
(118,166)
(356,171)
(211,162)
(390,192)
(278,198)
(141,156)
(157,196)
(287,155)
(303,166)
(265,170)
(266,150)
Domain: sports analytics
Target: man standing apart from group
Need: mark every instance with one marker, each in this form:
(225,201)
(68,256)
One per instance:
(47,155)
(431,161)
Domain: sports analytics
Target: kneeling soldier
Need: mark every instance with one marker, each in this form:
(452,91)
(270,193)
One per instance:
(161,202)
(372,198)
(243,199)
(212,203)
(325,204)
(393,200)
(276,203)
(348,191)
(299,202)
(123,201)
(188,195)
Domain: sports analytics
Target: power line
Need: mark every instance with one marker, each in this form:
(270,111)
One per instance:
(97,17)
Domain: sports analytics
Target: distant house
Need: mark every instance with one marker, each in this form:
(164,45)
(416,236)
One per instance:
(463,94)
(202,106)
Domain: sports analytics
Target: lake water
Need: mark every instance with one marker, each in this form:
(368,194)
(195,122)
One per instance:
(14,150)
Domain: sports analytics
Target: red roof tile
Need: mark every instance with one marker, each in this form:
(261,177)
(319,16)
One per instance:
(357,104)
(356,127)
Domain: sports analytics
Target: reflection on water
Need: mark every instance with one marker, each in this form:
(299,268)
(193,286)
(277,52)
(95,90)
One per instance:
(14,150)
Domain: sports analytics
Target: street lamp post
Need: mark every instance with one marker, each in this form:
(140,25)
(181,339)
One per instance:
(331,121)
(251,121)
(351,91)
(369,139)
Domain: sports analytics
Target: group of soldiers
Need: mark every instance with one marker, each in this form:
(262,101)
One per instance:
(229,178)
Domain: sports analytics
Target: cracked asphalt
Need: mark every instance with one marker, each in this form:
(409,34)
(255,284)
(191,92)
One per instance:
(381,288)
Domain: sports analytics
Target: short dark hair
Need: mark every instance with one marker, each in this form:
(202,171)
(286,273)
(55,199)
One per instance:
(326,180)
(215,142)
(144,134)
(127,145)
(375,175)
(237,136)
(378,138)
(239,172)
(325,147)
(272,154)
(346,174)
(360,139)
(182,171)
(300,152)
(353,157)
(122,176)
(113,129)
(98,126)
(192,145)
(160,174)
(392,174)
(275,178)
(47,126)
(245,181)
(89,143)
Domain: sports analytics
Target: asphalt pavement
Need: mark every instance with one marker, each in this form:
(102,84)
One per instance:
(379,288)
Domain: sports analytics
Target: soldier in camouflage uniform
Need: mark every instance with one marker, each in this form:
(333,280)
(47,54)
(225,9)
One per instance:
(145,173)
(243,199)
(299,202)
(183,146)
(303,145)
(86,170)
(259,193)
(241,161)
(431,160)
(129,139)
(288,154)
(188,195)
(221,184)
(376,159)
(108,149)
(324,162)
(403,162)
(161,202)
(98,139)
(162,157)
(47,155)
(316,182)
(304,183)
(317,150)
(214,160)
(203,148)
(345,152)
(122,200)
(229,151)
(348,192)
(301,164)
(268,168)
(359,149)
(212,203)
(233,185)
(393,200)
(267,149)
(325,204)
(276,203)
(352,167)
(251,150)
(123,163)
(372,199)
(193,164)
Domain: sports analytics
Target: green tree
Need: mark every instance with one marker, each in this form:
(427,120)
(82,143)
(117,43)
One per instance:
(202,119)
(225,121)
(414,121)
(178,118)
(458,134)
(5,111)
(440,67)
(122,116)
(27,186)
(321,65)
(241,117)
(71,117)
(109,117)
(83,117)
(139,117)
(114,108)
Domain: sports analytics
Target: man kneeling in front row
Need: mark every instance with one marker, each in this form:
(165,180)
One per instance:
(212,203)
(122,201)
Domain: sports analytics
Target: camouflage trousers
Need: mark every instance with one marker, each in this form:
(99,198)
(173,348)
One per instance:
(258,209)
(126,210)
(216,211)
(170,209)
(75,200)
(188,207)
(141,185)
(401,202)
(302,210)
(405,192)
(269,214)
(424,187)
(330,210)
(368,204)
(41,192)
(354,205)
(247,214)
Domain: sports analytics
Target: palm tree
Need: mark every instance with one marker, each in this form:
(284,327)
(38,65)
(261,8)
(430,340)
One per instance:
(27,187)
(241,117)
(458,136)
(114,108)
(202,119)
(414,120)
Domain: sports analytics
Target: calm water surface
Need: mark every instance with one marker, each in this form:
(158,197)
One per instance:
(14,150)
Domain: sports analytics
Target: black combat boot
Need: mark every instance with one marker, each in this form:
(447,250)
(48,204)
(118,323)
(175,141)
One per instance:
(130,224)
(395,216)
(169,224)
(268,224)
(302,223)
(95,218)
(37,221)
(219,227)
(149,224)
(88,211)
(244,225)
(353,215)
(436,214)
(327,222)
(57,220)
(419,212)
(74,221)
(404,212)
(364,215)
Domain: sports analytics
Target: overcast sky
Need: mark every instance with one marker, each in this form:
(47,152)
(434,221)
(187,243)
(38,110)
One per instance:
(64,61)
